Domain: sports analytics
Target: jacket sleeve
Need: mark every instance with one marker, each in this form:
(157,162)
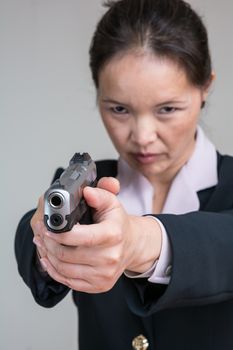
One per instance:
(202,266)
(45,290)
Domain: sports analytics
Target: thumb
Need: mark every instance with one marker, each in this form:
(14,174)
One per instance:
(100,199)
(110,184)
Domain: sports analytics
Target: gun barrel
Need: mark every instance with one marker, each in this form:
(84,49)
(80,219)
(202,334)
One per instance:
(56,200)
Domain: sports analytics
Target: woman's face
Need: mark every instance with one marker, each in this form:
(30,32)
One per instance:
(150,111)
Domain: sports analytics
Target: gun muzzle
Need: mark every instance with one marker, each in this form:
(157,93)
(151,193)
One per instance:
(56,200)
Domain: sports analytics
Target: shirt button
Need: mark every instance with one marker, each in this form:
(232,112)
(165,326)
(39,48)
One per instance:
(168,271)
(140,343)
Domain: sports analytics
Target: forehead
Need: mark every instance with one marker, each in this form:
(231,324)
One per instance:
(143,74)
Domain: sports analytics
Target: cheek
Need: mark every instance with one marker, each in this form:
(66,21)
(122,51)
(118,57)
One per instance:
(118,137)
(108,124)
(181,135)
(117,133)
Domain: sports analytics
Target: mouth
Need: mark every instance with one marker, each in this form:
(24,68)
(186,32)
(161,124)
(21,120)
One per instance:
(147,158)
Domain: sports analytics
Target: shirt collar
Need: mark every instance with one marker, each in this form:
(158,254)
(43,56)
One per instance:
(200,172)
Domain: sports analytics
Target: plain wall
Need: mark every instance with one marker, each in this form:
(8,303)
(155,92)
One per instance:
(48,112)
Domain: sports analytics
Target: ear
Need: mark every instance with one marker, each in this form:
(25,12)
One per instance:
(207,86)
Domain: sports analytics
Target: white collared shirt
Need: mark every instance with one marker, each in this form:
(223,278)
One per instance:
(136,195)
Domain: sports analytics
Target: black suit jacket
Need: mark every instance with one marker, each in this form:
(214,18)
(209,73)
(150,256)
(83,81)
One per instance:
(195,311)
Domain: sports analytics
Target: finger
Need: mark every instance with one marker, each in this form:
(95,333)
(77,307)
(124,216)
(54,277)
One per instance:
(38,228)
(109,184)
(100,199)
(66,253)
(70,270)
(41,203)
(70,254)
(92,257)
(104,233)
(40,246)
(47,266)
(80,283)
(37,221)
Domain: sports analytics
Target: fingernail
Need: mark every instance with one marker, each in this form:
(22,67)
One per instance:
(37,242)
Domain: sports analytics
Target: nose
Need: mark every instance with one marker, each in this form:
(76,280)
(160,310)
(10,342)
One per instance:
(144,131)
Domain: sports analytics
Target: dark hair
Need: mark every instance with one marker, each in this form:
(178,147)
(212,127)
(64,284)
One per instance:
(168,28)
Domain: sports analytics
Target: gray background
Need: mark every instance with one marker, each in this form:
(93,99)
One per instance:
(47,112)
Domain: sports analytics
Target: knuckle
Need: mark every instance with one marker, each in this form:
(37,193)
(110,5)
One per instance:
(117,235)
(113,259)
(113,234)
(109,275)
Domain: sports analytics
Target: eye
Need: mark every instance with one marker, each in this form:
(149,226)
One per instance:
(167,110)
(119,110)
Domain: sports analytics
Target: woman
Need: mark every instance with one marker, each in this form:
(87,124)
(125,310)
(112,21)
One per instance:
(155,268)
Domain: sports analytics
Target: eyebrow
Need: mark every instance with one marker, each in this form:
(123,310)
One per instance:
(109,100)
(169,102)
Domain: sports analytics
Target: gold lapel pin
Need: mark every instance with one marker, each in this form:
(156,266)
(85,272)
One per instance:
(140,343)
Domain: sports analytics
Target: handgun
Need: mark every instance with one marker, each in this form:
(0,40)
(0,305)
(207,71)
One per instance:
(64,204)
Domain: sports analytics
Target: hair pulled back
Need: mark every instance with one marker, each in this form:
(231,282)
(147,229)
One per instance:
(168,28)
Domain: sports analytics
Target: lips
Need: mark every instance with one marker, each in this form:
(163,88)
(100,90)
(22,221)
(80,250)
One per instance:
(147,158)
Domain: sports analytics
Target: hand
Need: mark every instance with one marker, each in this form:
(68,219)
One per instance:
(91,258)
